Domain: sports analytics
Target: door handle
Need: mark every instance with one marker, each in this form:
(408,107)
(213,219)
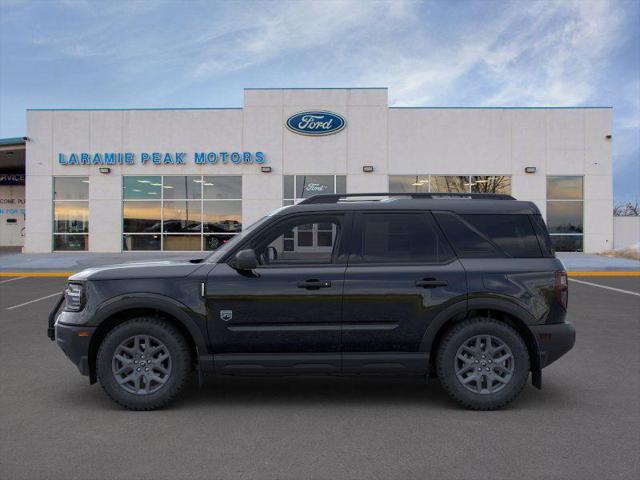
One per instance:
(314,284)
(431,283)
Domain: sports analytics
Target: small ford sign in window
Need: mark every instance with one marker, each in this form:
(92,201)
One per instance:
(316,123)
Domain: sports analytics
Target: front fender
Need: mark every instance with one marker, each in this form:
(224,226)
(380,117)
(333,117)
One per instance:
(193,322)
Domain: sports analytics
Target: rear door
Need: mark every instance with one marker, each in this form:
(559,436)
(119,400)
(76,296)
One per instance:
(401,274)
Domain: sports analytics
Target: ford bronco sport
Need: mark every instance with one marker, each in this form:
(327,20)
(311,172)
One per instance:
(463,287)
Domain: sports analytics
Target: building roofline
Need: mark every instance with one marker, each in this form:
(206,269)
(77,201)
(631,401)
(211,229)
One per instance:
(12,141)
(126,109)
(506,108)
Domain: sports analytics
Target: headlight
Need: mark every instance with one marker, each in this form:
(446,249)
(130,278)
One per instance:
(74,297)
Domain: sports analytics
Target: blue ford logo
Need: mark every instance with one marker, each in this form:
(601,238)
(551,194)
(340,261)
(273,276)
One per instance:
(316,123)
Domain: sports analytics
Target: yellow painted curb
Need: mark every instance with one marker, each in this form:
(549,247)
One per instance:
(36,274)
(603,274)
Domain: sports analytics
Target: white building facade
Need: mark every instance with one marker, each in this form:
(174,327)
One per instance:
(189,179)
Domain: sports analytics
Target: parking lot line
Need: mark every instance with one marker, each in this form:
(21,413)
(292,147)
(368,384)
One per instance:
(11,280)
(34,301)
(36,274)
(605,287)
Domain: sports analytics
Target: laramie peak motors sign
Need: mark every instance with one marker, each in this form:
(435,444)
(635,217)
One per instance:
(315,123)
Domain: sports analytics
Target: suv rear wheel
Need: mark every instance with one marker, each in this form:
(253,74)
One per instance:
(483,364)
(143,363)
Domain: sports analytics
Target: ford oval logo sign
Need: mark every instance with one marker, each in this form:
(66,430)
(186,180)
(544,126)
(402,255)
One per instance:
(316,123)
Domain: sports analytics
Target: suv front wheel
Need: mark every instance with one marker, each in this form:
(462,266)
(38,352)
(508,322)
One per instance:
(483,363)
(143,363)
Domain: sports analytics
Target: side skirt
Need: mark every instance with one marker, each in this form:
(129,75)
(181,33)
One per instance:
(335,363)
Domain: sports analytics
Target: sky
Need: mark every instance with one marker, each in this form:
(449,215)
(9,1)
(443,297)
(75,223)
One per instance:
(138,53)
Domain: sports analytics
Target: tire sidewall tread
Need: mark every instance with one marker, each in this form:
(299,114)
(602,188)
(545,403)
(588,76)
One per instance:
(180,359)
(448,349)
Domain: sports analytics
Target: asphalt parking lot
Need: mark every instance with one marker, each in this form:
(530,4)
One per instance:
(585,423)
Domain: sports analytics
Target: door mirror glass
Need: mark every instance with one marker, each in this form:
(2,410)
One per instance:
(246,260)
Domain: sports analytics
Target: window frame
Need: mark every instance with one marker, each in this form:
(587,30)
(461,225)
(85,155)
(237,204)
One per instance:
(355,246)
(55,234)
(565,200)
(287,201)
(430,181)
(162,233)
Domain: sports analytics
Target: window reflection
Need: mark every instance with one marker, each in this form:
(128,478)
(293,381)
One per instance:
(564,188)
(142,187)
(409,183)
(172,212)
(185,187)
(222,216)
(69,242)
(295,187)
(450,184)
(182,216)
(215,187)
(71,217)
(141,217)
(564,217)
(71,188)
(491,184)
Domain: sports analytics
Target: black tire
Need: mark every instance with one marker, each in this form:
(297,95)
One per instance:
(174,344)
(488,393)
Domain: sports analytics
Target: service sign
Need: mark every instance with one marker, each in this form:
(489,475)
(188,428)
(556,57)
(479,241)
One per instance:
(316,123)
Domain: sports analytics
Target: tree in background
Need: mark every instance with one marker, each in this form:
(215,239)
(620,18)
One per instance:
(628,209)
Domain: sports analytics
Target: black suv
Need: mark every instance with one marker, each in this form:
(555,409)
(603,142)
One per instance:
(465,287)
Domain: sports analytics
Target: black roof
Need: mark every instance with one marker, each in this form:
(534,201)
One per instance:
(458,203)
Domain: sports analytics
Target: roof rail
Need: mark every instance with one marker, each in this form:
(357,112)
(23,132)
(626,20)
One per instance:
(336,197)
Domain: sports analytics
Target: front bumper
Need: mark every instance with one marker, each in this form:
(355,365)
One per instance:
(554,340)
(74,341)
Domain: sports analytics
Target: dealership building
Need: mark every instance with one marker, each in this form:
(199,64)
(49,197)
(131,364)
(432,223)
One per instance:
(109,180)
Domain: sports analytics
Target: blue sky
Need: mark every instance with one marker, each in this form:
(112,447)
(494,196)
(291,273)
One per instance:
(83,54)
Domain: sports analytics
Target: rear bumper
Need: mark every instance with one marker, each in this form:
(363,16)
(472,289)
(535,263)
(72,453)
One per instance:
(74,342)
(554,340)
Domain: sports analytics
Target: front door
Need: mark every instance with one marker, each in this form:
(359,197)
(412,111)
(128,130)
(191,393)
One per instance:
(285,315)
(401,274)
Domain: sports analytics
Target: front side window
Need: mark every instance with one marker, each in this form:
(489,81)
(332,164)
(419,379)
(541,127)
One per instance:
(298,187)
(400,238)
(565,212)
(181,212)
(70,213)
(301,240)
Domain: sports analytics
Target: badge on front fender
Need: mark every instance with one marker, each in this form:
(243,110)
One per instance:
(226,315)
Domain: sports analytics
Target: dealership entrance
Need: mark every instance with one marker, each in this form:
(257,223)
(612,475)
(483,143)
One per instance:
(12,194)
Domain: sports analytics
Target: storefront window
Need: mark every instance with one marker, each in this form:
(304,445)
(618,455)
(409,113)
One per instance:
(70,213)
(409,183)
(180,213)
(450,184)
(565,213)
(298,187)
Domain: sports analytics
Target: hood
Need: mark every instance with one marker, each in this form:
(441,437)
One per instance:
(145,269)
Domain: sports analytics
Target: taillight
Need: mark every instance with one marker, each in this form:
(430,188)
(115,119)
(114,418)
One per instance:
(562,288)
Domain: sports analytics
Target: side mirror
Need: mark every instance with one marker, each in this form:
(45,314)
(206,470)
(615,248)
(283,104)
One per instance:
(246,260)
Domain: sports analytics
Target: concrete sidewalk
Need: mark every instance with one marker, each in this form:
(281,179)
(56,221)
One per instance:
(76,261)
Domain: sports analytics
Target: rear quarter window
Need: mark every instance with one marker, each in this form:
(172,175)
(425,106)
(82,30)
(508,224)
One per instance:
(514,234)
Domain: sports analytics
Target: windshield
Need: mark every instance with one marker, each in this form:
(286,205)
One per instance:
(220,252)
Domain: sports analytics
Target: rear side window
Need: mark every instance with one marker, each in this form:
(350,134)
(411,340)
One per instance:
(468,241)
(400,238)
(543,235)
(512,233)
